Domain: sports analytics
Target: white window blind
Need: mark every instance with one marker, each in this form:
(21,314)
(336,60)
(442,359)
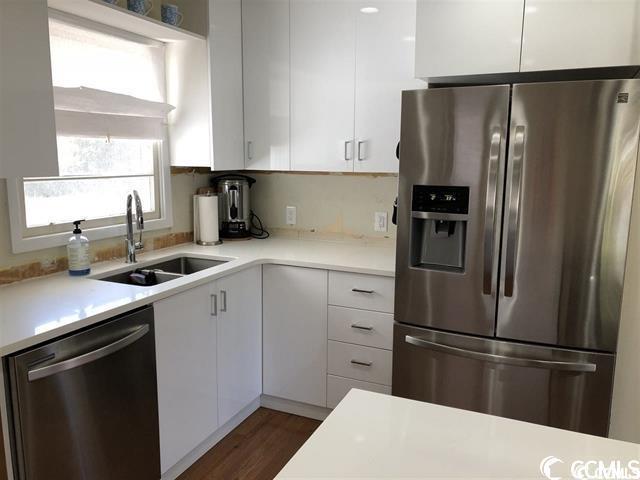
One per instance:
(105,84)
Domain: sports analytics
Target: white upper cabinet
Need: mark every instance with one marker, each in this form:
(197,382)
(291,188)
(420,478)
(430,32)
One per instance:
(225,50)
(27,123)
(580,34)
(265,55)
(468,37)
(204,82)
(384,67)
(323,39)
(188,89)
(239,341)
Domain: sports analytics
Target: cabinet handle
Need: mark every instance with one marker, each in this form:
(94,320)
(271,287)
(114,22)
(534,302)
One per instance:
(360,290)
(223,300)
(360,327)
(249,150)
(214,305)
(347,144)
(360,150)
(363,364)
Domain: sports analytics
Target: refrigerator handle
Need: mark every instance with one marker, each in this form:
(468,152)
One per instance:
(584,367)
(513,213)
(490,212)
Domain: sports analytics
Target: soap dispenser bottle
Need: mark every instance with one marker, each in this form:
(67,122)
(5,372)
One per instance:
(78,252)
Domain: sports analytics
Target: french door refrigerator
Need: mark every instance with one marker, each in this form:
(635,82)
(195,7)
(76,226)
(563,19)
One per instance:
(514,209)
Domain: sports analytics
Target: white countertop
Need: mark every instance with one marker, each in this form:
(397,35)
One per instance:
(370,435)
(38,310)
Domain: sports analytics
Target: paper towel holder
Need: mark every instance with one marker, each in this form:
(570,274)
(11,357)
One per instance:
(208,220)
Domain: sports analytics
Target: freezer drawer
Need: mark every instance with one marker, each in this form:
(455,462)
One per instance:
(549,386)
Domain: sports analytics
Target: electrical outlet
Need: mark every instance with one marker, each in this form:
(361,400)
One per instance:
(380,222)
(291,215)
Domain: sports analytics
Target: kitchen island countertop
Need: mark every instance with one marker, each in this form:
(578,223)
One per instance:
(374,436)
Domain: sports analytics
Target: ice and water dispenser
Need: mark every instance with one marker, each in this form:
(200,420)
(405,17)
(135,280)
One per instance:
(439,216)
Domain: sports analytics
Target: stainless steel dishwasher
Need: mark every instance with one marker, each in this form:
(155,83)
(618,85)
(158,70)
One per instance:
(86,407)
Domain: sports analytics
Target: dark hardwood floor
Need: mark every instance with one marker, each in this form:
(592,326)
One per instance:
(256,450)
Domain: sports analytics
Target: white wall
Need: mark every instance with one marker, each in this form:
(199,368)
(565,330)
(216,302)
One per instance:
(625,412)
(329,206)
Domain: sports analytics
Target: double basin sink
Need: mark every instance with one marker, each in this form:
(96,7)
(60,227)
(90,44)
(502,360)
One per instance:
(162,271)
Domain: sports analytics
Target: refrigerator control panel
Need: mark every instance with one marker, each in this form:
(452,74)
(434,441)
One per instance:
(432,198)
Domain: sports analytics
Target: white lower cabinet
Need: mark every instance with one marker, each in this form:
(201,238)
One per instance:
(263,330)
(239,341)
(359,362)
(338,387)
(209,359)
(295,333)
(185,330)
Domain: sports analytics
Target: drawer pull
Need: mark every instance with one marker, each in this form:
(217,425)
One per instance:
(364,364)
(360,290)
(360,327)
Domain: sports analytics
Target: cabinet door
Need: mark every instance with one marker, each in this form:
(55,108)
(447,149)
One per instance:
(27,123)
(225,49)
(185,329)
(322,85)
(295,333)
(188,88)
(580,34)
(239,342)
(384,67)
(467,37)
(265,54)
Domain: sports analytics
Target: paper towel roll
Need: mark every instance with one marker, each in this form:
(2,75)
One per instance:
(206,226)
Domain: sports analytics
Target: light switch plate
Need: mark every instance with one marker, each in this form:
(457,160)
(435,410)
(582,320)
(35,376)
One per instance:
(380,222)
(291,215)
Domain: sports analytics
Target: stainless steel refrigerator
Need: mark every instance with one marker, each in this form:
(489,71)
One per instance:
(514,210)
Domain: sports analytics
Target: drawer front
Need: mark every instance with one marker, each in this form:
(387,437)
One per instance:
(370,292)
(363,327)
(338,387)
(360,363)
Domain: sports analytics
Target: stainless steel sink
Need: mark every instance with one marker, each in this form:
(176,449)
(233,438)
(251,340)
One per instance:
(163,271)
(185,265)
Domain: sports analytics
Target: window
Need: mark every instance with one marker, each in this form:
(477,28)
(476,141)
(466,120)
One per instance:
(109,91)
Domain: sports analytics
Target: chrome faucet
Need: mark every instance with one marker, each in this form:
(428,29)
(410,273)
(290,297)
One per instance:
(132,245)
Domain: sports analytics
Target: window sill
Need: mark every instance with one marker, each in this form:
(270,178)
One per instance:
(41,242)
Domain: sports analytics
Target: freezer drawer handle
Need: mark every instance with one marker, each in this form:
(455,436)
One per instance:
(364,364)
(360,327)
(88,357)
(514,211)
(490,212)
(360,290)
(491,357)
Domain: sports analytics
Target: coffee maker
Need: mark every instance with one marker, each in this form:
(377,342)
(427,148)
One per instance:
(234,208)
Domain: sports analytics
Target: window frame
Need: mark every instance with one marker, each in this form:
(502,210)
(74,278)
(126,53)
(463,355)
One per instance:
(23,238)
(22,241)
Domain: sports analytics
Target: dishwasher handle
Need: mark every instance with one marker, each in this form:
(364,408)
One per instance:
(38,373)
